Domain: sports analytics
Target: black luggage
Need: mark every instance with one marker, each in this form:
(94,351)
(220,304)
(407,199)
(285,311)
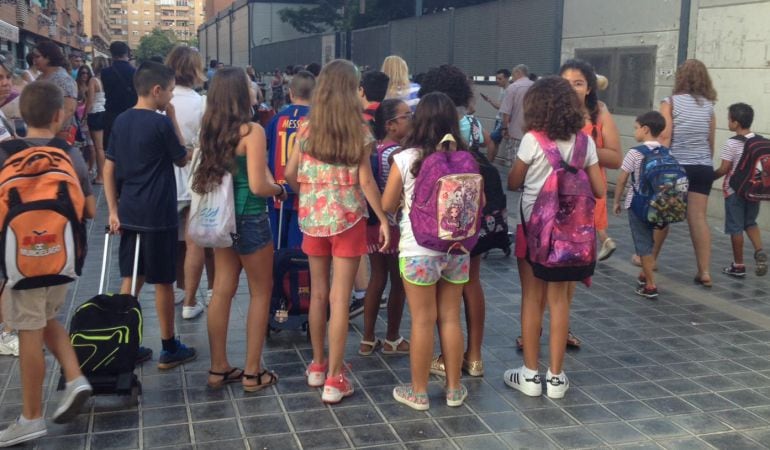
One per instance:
(105,332)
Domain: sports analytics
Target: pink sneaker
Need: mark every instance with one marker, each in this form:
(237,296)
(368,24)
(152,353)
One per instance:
(336,388)
(316,374)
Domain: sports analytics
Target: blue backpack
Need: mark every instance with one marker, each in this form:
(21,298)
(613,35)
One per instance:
(661,198)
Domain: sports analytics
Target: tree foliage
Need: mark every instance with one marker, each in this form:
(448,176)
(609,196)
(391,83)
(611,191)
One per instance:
(339,15)
(157,43)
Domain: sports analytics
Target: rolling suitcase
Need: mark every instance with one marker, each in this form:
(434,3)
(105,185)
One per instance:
(106,331)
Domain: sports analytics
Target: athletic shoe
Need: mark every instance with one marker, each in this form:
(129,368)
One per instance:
(556,385)
(608,248)
(76,393)
(456,397)
(336,388)
(178,296)
(16,433)
(760,258)
(209,293)
(737,271)
(191,312)
(143,354)
(646,292)
(405,394)
(9,343)
(528,386)
(183,354)
(641,281)
(316,374)
(356,307)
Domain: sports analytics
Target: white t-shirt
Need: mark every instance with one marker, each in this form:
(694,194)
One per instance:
(408,246)
(533,155)
(189,107)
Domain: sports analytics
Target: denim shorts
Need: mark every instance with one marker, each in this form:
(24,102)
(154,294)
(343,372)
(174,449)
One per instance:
(253,233)
(641,233)
(739,214)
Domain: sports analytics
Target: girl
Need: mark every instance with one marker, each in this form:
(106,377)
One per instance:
(330,169)
(229,142)
(399,86)
(95,103)
(83,79)
(550,107)
(433,280)
(392,123)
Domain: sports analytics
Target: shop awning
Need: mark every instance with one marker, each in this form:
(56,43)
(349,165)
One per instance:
(9,32)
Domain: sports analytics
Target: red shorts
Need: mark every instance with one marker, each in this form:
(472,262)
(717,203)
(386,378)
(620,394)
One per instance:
(351,243)
(520,248)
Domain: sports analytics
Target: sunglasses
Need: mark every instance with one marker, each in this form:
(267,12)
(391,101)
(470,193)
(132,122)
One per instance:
(408,116)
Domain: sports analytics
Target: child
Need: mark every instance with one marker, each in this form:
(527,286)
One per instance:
(143,148)
(33,311)
(647,128)
(740,215)
(392,123)
(230,140)
(330,169)
(433,280)
(550,107)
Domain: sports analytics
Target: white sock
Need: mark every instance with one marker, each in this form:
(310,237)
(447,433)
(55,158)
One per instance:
(24,421)
(70,383)
(559,375)
(527,372)
(359,294)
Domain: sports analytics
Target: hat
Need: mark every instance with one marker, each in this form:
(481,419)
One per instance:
(7,61)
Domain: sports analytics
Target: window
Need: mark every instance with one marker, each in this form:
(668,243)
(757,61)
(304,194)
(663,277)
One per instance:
(631,75)
(147,22)
(135,12)
(147,13)
(135,33)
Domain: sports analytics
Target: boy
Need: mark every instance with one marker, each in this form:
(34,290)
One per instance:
(33,311)
(140,170)
(740,215)
(280,137)
(374,86)
(647,128)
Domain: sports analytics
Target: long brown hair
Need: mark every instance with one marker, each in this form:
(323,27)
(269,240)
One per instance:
(336,122)
(227,109)
(435,117)
(693,78)
(187,64)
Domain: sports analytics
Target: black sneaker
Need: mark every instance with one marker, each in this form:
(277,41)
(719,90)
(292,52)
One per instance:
(356,307)
(760,257)
(143,354)
(646,292)
(735,270)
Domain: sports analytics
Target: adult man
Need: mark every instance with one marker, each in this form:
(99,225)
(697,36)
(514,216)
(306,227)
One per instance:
(502,79)
(512,108)
(76,60)
(118,84)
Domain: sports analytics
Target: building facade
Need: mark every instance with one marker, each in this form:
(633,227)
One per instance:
(130,20)
(96,26)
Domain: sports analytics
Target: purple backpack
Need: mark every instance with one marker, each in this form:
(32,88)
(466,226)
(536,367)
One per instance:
(561,235)
(446,207)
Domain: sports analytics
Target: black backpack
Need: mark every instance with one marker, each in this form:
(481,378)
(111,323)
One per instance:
(751,178)
(494,220)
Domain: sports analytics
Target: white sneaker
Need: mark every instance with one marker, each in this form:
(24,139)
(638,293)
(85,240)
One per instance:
(9,344)
(76,393)
(516,379)
(178,296)
(209,293)
(556,385)
(191,312)
(16,433)
(608,248)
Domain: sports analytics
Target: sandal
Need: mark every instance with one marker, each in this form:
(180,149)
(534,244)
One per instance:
(520,341)
(705,283)
(260,385)
(394,345)
(572,340)
(371,344)
(227,378)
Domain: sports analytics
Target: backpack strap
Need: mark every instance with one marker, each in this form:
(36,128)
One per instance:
(13,146)
(740,137)
(550,149)
(579,153)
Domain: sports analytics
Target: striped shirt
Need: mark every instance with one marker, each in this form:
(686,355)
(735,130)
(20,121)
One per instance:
(691,125)
(632,164)
(409,95)
(732,151)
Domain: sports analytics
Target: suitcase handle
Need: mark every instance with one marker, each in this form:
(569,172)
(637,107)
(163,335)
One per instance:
(106,261)
(280,225)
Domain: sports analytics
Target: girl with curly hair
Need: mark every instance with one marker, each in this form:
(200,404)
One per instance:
(231,143)
(551,107)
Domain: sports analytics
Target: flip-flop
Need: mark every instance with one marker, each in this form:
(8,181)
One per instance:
(572,340)
(702,282)
(227,378)
(372,346)
(260,385)
(394,347)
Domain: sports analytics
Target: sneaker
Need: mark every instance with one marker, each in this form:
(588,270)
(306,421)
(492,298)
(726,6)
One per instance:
(9,343)
(191,312)
(644,291)
(384,302)
(16,433)
(183,354)
(356,307)
(178,296)
(641,281)
(735,270)
(76,393)
(405,394)
(316,374)
(760,258)
(556,385)
(528,386)
(456,397)
(336,388)
(209,293)
(143,354)
(608,248)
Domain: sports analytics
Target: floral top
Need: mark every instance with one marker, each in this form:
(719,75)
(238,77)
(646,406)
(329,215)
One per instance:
(330,197)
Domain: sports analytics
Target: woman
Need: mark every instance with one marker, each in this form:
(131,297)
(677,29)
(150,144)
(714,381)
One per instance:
(83,78)
(230,142)
(51,63)
(689,133)
(31,73)
(9,96)
(399,86)
(95,103)
(187,65)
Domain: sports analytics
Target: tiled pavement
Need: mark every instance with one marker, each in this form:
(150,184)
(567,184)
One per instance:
(691,370)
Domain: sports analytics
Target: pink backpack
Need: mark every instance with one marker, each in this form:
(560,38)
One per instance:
(561,235)
(446,207)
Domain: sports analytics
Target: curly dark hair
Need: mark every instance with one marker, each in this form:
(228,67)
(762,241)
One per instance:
(51,51)
(435,117)
(693,78)
(451,81)
(552,106)
(592,98)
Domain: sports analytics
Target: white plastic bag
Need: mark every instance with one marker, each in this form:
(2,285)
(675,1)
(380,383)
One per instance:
(212,215)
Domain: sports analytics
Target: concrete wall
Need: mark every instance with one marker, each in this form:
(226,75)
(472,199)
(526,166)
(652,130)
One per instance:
(240,30)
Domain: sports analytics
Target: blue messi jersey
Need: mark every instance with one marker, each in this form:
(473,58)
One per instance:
(281,133)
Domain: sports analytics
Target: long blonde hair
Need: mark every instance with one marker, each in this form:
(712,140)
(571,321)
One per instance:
(336,123)
(395,67)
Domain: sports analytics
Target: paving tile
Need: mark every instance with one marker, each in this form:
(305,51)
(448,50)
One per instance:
(417,430)
(700,423)
(684,444)
(462,426)
(530,439)
(739,419)
(671,406)
(733,441)
(267,424)
(572,437)
(166,436)
(507,421)
(218,430)
(258,405)
(274,441)
(617,433)
(212,411)
(476,442)
(658,428)
(549,418)
(587,414)
(608,393)
(632,410)
(645,390)
(234,444)
(115,421)
(116,439)
(364,436)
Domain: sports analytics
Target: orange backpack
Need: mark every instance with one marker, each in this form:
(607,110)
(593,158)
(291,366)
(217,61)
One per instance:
(43,239)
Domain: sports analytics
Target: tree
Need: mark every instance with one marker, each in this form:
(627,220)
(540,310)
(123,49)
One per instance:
(157,43)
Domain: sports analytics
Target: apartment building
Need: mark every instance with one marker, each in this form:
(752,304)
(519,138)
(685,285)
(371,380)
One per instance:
(96,26)
(130,20)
